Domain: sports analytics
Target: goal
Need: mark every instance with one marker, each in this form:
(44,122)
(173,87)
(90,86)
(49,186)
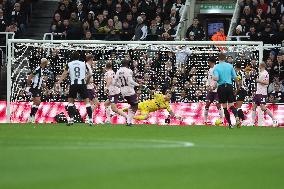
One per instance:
(179,66)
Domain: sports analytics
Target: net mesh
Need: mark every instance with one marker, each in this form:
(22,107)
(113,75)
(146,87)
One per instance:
(179,68)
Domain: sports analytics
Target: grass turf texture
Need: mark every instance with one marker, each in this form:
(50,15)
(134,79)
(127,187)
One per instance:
(119,157)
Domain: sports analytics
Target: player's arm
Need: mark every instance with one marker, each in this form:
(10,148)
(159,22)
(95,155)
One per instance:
(132,82)
(215,74)
(265,81)
(234,75)
(175,116)
(64,75)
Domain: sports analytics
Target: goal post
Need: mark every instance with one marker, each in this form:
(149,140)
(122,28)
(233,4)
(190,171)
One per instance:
(19,52)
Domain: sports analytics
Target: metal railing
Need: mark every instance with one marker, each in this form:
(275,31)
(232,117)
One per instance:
(184,18)
(235,19)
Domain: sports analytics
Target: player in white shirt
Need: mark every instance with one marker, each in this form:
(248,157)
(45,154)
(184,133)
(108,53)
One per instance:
(79,76)
(212,96)
(113,93)
(261,93)
(91,85)
(124,79)
(34,85)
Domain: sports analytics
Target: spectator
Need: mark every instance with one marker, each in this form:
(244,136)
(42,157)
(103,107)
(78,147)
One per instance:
(109,6)
(256,24)
(266,35)
(90,19)
(96,6)
(118,12)
(141,30)
(167,32)
(173,23)
(81,12)
(88,35)
(243,24)
(102,21)
(238,31)
(56,25)
(13,27)
(112,36)
(219,35)
(260,14)
(247,14)
(63,11)
(134,11)
(154,29)
(159,21)
(197,29)
(149,8)
(109,27)
(86,27)
(126,32)
(117,23)
(66,29)
(278,67)
(277,94)
(19,17)
(253,35)
(263,6)
(130,21)
(191,37)
(279,35)
(179,6)
(3,22)
(75,26)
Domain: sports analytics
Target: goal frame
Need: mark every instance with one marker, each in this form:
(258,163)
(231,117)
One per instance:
(11,43)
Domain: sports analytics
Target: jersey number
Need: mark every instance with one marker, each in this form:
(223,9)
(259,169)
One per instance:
(77,72)
(123,81)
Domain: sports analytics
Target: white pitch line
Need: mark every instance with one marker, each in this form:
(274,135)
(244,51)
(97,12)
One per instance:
(111,144)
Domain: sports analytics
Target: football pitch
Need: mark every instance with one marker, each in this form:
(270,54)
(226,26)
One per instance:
(55,156)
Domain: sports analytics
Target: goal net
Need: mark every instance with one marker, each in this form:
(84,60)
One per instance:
(179,66)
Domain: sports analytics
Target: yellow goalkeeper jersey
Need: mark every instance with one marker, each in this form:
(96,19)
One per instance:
(155,104)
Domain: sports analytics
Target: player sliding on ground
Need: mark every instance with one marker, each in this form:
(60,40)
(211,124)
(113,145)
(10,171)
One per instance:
(159,102)
(113,93)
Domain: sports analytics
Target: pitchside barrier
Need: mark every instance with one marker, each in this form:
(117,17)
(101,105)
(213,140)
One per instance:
(182,56)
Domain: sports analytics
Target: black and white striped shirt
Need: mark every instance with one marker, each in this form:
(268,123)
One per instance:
(38,77)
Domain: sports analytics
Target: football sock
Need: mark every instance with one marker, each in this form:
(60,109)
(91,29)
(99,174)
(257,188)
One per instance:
(71,111)
(227,116)
(241,114)
(221,113)
(89,111)
(34,110)
(108,110)
(140,117)
(269,113)
(130,116)
(253,115)
(234,111)
(206,114)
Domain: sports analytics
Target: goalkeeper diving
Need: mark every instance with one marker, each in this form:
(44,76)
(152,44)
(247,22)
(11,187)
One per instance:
(158,102)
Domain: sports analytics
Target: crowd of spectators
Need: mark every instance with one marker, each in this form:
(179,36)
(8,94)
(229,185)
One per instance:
(14,16)
(117,19)
(261,20)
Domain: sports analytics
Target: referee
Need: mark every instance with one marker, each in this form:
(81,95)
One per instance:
(224,74)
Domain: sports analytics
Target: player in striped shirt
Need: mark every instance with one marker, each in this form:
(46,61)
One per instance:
(79,76)
(34,85)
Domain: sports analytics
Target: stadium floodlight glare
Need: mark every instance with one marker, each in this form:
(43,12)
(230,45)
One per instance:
(19,51)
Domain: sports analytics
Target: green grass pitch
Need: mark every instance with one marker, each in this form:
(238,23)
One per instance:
(55,156)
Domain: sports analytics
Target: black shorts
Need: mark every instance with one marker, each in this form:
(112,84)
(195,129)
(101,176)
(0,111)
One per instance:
(241,95)
(226,93)
(80,89)
(35,92)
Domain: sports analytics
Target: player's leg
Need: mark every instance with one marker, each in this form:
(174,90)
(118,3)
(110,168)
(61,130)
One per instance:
(114,100)
(231,101)
(132,100)
(36,94)
(207,105)
(240,99)
(108,110)
(218,105)
(269,113)
(83,92)
(223,99)
(144,114)
(70,110)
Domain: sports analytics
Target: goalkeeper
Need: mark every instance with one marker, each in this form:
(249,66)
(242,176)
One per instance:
(158,102)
